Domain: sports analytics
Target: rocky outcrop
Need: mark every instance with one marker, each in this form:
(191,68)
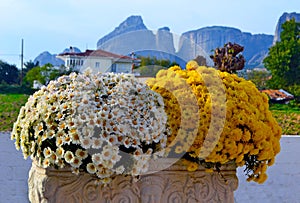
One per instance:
(164,40)
(285,17)
(131,24)
(203,41)
(133,36)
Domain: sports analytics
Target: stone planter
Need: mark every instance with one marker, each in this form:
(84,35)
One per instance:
(166,182)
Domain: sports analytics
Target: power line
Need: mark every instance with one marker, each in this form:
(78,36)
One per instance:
(9,54)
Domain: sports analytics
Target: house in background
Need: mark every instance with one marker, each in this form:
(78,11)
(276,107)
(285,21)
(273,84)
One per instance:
(279,96)
(98,61)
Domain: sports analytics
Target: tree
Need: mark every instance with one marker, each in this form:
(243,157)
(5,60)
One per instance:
(42,74)
(9,74)
(259,78)
(150,70)
(283,59)
(30,65)
(149,66)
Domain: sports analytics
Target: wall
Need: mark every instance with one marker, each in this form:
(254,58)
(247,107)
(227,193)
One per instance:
(281,186)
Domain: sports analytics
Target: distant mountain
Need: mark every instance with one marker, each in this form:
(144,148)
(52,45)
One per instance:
(133,36)
(45,57)
(283,19)
(131,24)
(206,39)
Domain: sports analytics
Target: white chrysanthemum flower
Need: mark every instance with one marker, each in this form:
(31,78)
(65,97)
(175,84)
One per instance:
(83,117)
(47,152)
(50,134)
(126,142)
(75,138)
(91,168)
(59,141)
(97,158)
(112,139)
(86,142)
(97,143)
(60,152)
(107,154)
(66,139)
(120,170)
(87,131)
(82,154)
(76,162)
(60,163)
(108,164)
(115,158)
(46,163)
(92,110)
(69,156)
(53,157)
(135,171)
(75,171)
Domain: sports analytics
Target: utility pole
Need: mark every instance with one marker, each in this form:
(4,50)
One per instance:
(22,56)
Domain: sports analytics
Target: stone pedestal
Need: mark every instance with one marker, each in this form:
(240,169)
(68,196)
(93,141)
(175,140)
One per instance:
(166,182)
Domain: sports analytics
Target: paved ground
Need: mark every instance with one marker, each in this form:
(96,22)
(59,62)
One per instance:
(283,184)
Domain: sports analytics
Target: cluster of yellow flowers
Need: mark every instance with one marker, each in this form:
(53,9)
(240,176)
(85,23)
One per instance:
(216,117)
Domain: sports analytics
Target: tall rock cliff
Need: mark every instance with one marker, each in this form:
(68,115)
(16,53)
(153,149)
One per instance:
(285,17)
(164,40)
(203,41)
(133,36)
(130,36)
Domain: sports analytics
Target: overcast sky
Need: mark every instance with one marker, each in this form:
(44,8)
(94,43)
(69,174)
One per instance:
(57,24)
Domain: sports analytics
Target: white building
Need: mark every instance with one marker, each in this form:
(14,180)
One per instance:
(98,61)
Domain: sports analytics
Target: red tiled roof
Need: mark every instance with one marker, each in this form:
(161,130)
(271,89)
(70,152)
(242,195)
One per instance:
(100,53)
(278,94)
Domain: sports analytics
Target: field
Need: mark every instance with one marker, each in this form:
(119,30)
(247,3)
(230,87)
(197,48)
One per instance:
(9,109)
(287,116)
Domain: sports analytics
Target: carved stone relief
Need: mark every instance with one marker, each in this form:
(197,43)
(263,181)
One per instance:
(173,184)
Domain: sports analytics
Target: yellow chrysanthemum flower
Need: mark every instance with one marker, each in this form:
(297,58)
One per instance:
(228,115)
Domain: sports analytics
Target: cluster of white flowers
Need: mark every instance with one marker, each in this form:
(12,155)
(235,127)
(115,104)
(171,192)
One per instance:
(104,124)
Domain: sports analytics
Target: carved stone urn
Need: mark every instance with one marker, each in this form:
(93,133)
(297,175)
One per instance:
(166,181)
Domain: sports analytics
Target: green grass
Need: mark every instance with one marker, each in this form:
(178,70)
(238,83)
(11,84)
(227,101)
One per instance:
(9,109)
(288,116)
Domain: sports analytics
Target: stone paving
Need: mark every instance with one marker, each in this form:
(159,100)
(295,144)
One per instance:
(283,184)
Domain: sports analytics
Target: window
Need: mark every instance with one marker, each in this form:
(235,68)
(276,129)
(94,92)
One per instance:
(97,64)
(114,68)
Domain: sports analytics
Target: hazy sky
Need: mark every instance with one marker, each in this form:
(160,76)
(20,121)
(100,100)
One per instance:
(54,25)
